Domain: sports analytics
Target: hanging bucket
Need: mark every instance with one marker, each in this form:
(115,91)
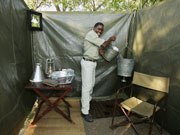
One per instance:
(125,67)
(110,53)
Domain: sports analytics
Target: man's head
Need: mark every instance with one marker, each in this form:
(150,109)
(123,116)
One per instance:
(98,28)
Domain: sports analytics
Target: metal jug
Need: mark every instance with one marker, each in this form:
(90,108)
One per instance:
(37,75)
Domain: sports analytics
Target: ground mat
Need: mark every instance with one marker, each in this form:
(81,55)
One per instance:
(104,109)
(55,124)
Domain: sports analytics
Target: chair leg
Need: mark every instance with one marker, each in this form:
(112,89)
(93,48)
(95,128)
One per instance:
(114,113)
(151,126)
(152,122)
(162,122)
(129,120)
(113,125)
(129,112)
(164,114)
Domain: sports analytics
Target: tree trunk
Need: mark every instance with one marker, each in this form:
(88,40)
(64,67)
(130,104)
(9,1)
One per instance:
(56,5)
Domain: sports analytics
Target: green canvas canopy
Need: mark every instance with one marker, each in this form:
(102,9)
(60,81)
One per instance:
(152,34)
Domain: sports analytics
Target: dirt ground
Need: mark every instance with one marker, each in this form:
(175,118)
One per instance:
(101,127)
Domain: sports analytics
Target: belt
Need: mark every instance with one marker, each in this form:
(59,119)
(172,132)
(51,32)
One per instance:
(89,60)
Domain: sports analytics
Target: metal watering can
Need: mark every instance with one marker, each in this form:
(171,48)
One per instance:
(37,75)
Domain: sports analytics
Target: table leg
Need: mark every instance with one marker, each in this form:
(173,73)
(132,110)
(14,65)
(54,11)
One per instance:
(64,100)
(68,105)
(49,95)
(36,119)
(53,105)
(63,114)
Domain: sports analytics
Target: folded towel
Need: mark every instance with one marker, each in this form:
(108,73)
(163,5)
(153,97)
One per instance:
(50,82)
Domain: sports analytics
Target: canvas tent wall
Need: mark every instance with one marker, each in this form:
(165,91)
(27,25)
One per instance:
(156,45)
(15,67)
(153,37)
(62,40)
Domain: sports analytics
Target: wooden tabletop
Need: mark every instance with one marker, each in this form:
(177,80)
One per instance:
(41,86)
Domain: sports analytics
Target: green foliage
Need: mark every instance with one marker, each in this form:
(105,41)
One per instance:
(35,4)
(91,5)
(35,21)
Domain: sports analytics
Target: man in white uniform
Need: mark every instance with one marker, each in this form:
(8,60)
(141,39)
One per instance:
(93,46)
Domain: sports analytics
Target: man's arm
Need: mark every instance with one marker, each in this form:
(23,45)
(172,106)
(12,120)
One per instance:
(105,44)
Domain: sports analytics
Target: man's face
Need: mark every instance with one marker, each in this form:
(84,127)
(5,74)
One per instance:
(99,30)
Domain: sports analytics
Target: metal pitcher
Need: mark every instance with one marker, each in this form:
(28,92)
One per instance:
(37,75)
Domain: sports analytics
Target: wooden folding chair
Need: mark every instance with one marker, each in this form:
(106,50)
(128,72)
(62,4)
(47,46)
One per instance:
(149,91)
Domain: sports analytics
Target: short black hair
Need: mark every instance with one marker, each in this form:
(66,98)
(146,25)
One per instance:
(98,23)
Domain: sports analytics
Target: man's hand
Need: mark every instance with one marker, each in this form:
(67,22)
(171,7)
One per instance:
(113,38)
(106,43)
(101,51)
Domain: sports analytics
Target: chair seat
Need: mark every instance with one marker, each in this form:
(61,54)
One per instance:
(138,106)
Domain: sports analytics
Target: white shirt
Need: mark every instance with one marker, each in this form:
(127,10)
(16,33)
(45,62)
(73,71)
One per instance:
(92,43)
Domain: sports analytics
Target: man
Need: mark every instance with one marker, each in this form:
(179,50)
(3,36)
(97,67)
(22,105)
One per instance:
(93,45)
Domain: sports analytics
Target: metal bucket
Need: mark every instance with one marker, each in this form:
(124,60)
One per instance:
(110,53)
(125,67)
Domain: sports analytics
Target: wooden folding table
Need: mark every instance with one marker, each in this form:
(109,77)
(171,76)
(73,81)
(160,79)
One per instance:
(40,88)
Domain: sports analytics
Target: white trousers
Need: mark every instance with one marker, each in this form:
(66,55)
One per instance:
(88,69)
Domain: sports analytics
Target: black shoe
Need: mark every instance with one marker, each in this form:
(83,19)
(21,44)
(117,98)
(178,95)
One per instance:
(87,117)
